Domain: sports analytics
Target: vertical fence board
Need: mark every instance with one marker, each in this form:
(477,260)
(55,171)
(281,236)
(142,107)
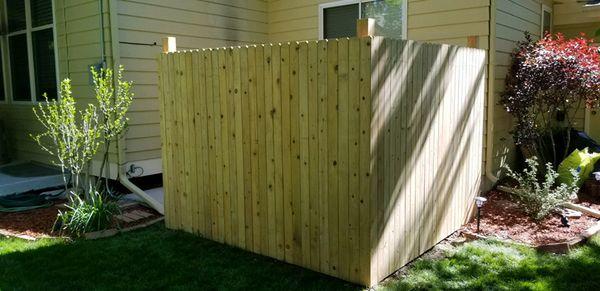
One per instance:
(278,146)
(353,213)
(332,151)
(365,160)
(255,180)
(238,202)
(342,163)
(322,90)
(247,150)
(270,153)
(295,153)
(313,156)
(286,152)
(179,155)
(190,140)
(261,154)
(305,245)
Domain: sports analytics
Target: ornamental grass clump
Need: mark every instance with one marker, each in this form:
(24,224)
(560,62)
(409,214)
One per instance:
(548,83)
(539,198)
(74,137)
(83,216)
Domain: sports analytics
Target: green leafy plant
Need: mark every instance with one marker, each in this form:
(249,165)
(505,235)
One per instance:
(70,136)
(73,137)
(540,198)
(89,215)
(548,82)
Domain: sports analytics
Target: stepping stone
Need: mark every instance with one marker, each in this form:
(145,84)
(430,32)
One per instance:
(124,218)
(132,215)
(143,214)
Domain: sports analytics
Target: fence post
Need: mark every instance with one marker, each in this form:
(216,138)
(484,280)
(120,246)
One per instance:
(366,27)
(473,41)
(169,44)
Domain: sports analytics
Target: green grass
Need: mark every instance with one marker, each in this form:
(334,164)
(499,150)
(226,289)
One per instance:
(156,258)
(150,259)
(492,265)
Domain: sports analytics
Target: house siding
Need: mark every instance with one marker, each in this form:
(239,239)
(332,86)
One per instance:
(448,22)
(513,18)
(571,18)
(141,25)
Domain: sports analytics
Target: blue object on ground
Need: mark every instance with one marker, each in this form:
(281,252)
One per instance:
(23,177)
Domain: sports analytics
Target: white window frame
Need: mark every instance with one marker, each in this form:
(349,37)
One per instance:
(546,8)
(28,31)
(4,73)
(324,6)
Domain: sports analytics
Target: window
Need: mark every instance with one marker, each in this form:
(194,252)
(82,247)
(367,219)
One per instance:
(546,20)
(31,55)
(338,19)
(2,92)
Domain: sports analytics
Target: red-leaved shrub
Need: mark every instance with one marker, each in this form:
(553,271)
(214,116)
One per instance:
(550,78)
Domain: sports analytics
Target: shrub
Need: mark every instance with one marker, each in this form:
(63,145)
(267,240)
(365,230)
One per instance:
(537,198)
(74,137)
(92,214)
(548,82)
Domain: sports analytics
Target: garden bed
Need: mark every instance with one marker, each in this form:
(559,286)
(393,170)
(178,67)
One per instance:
(503,218)
(38,223)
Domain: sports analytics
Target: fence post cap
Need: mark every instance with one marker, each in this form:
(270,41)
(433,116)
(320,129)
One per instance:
(169,44)
(366,27)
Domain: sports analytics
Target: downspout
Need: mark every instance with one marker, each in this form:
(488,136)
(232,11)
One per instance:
(491,104)
(102,53)
(122,173)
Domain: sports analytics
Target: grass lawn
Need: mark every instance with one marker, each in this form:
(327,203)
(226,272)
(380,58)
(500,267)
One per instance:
(156,258)
(150,259)
(489,265)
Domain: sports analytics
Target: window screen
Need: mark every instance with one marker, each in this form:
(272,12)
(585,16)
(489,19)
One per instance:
(2,93)
(547,25)
(16,15)
(31,55)
(340,21)
(387,15)
(19,67)
(45,69)
(41,12)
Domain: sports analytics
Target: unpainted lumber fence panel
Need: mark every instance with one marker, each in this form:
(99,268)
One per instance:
(349,156)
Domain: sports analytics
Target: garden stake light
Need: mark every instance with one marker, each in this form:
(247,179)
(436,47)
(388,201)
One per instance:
(479,201)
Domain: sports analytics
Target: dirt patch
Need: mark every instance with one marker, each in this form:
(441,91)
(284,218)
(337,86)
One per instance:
(503,218)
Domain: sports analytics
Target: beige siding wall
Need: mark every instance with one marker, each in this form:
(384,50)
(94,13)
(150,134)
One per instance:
(428,20)
(513,18)
(571,18)
(196,24)
(77,25)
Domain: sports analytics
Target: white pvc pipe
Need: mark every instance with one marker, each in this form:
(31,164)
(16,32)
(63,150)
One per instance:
(160,208)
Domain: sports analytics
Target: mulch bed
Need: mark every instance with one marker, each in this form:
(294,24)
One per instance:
(34,223)
(503,218)
(38,223)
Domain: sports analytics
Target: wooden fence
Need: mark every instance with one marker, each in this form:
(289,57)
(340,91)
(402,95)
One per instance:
(350,157)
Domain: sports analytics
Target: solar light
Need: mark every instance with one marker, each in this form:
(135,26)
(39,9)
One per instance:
(479,201)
